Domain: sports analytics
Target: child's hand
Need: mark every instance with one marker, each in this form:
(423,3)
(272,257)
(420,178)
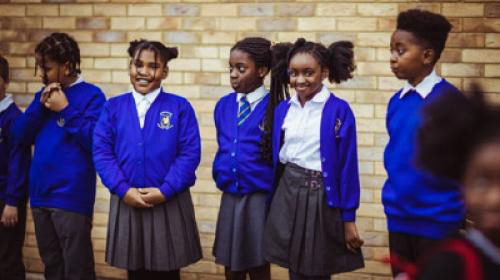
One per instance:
(133,198)
(9,216)
(53,98)
(352,239)
(152,195)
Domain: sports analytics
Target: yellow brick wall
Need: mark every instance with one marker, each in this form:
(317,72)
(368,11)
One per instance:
(204,32)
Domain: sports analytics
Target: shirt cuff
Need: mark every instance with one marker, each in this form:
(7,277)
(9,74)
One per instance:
(122,189)
(348,215)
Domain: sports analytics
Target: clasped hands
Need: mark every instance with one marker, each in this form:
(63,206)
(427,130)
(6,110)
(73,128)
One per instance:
(143,197)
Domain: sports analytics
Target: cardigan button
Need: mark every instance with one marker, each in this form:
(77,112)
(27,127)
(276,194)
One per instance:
(234,170)
(323,159)
(233,154)
(330,203)
(327,188)
(325,174)
(235,140)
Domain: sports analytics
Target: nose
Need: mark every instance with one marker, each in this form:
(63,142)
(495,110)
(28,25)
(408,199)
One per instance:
(300,79)
(233,73)
(393,57)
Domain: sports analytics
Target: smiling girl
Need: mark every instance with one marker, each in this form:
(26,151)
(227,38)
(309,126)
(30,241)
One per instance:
(310,228)
(146,150)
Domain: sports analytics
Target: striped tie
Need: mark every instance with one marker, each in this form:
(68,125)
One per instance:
(244,110)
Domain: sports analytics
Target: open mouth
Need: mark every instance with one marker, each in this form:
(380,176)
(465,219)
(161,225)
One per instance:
(142,82)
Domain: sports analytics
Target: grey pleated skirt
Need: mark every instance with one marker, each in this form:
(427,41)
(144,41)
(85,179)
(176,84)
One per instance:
(301,232)
(240,231)
(161,238)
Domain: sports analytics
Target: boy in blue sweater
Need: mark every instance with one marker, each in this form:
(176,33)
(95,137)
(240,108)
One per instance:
(14,166)
(60,123)
(420,208)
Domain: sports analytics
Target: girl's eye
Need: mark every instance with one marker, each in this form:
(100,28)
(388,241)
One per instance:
(309,73)
(400,51)
(242,69)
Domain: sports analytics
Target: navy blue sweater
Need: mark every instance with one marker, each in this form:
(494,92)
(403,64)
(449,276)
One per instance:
(238,167)
(163,154)
(338,151)
(62,173)
(416,202)
(14,162)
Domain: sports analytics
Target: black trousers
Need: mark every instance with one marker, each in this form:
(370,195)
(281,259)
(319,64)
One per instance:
(64,244)
(262,272)
(153,275)
(298,276)
(11,246)
(408,247)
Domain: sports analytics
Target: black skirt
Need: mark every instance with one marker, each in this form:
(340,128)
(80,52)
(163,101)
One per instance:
(161,238)
(301,232)
(240,230)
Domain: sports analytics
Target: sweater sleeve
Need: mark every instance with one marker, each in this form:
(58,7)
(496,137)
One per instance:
(181,174)
(27,126)
(104,156)
(19,160)
(81,124)
(348,164)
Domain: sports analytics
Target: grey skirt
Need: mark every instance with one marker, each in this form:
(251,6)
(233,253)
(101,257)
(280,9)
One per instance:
(240,230)
(301,232)
(161,238)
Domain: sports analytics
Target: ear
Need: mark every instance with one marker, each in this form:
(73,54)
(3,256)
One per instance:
(428,56)
(164,75)
(262,72)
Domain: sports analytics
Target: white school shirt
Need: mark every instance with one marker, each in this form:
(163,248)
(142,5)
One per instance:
(5,102)
(253,97)
(302,131)
(143,103)
(424,87)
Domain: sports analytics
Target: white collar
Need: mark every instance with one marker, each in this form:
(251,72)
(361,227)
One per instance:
(253,96)
(424,87)
(5,102)
(485,245)
(320,97)
(78,80)
(150,96)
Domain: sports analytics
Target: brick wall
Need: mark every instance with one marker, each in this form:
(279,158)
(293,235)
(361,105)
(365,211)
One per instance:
(204,31)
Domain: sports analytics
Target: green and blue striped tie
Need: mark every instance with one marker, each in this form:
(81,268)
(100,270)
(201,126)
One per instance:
(244,110)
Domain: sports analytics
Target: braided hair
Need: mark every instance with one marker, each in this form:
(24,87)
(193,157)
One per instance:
(61,48)
(264,54)
(4,69)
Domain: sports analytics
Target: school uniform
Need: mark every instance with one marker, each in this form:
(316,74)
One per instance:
(420,208)
(245,179)
(63,179)
(314,155)
(14,168)
(149,141)
(467,257)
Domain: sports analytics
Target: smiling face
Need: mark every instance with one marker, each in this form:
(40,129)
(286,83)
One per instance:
(244,75)
(410,60)
(147,71)
(482,190)
(306,75)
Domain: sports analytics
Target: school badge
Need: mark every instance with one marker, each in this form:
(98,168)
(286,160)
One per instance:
(338,124)
(165,120)
(60,122)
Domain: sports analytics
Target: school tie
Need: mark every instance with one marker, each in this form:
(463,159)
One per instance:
(244,110)
(142,109)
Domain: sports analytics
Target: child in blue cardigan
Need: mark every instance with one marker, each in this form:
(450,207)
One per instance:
(60,123)
(242,168)
(420,208)
(14,168)
(146,151)
(311,224)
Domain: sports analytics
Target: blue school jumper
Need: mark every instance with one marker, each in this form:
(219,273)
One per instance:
(62,173)
(416,202)
(164,154)
(338,151)
(238,167)
(14,162)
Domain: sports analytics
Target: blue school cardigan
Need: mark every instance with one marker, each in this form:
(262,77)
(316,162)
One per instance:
(338,151)
(15,161)
(62,172)
(415,201)
(164,154)
(238,167)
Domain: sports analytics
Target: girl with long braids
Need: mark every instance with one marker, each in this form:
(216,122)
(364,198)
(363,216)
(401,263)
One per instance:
(146,150)
(60,123)
(311,226)
(242,167)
